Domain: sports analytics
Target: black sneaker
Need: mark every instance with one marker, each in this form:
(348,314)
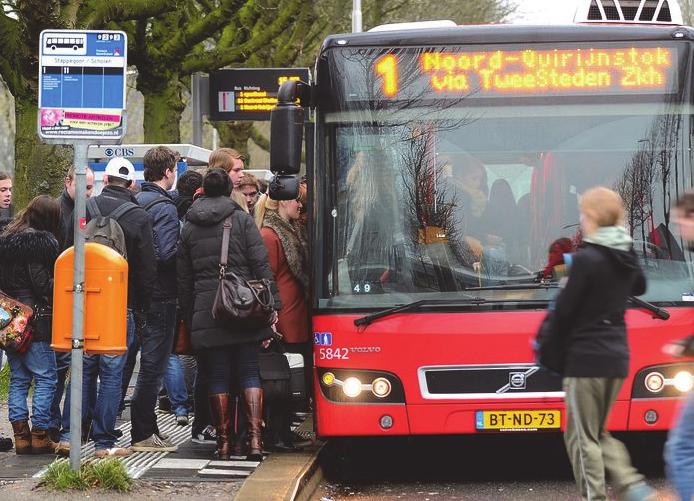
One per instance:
(6,444)
(208,436)
(165,405)
(297,439)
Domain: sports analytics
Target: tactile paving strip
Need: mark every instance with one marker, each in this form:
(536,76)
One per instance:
(139,462)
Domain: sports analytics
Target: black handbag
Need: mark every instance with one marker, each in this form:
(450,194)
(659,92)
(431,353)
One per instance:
(247,304)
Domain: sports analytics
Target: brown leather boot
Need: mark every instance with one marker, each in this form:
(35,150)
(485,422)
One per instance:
(239,426)
(22,437)
(254,411)
(219,405)
(41,442)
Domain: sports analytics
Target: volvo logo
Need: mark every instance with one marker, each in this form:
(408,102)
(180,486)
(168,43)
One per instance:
(517,380)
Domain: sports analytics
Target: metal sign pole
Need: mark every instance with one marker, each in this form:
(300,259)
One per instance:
(356,16)
(80,163)
(200,97)
(68,114)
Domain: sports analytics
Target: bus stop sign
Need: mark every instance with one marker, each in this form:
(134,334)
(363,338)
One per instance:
(82,84)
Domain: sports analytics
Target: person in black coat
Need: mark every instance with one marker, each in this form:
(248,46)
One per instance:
(589,321)
(137,229)
(28,250)
(222,348)
(108,369)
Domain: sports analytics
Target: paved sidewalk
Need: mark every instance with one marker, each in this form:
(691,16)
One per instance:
(190,472)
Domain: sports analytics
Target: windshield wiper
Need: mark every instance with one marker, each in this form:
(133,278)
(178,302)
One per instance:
(516,287)
(657,311)
(368,319)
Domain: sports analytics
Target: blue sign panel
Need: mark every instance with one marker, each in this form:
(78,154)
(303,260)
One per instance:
(323,338)
(82,84)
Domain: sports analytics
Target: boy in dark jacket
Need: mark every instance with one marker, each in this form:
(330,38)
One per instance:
(589,318)
(157,339)
(679,449)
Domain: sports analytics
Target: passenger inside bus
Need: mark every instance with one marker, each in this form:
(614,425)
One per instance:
(370,239)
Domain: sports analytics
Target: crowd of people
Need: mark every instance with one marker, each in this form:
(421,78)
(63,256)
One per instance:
(172,243)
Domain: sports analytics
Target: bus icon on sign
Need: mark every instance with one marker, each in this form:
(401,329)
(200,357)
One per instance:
(65,44)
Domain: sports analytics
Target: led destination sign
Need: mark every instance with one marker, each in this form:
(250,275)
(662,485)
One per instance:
(528,72)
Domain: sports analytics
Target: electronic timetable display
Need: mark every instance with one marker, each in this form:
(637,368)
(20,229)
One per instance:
(248,93)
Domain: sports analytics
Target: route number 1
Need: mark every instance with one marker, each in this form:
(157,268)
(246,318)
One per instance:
(387,68)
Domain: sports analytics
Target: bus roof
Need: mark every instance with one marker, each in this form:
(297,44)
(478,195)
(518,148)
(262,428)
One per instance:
(508,33)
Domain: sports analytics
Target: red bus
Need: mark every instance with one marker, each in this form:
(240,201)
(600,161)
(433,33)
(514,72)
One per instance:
(447,171)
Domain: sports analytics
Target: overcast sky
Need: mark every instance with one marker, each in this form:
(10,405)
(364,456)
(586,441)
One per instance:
(545,11)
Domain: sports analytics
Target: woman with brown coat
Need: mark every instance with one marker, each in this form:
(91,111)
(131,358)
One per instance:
(287,251)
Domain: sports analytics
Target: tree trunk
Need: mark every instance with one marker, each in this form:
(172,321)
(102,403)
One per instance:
(163,109)
(39,168)
(235,135)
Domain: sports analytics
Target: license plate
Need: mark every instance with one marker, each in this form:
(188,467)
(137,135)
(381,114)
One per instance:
(517,420)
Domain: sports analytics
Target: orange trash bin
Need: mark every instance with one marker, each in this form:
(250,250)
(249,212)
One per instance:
(105,301)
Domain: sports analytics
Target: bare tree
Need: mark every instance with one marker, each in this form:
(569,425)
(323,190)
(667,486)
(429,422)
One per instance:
(687,7)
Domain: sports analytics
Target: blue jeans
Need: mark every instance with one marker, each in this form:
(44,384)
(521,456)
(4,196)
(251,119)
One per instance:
(156,345)
(62,361)
(232,365)
(130,361)
(175,384)
(37,364)
(679,451)
(109,371)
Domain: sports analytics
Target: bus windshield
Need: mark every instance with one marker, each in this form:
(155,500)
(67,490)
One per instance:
(460,168)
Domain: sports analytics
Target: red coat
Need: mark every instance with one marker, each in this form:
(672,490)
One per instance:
(293,317)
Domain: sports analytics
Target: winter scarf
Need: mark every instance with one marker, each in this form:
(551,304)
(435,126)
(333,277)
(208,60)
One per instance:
(614,237)
(295,249)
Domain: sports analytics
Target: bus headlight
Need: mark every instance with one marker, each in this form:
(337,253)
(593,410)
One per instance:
(664,381)
(360,386)
(351,387)
(655,382)
(683,381)
(381,387)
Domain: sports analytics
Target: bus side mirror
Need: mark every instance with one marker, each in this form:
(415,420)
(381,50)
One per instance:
(286,130)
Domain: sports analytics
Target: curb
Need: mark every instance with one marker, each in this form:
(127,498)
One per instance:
(306,483)
(284,477)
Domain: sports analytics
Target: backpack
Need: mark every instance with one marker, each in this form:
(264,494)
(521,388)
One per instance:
(106,230)
(162,199)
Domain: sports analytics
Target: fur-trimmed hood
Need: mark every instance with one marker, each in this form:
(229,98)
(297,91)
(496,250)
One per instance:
(30,246)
